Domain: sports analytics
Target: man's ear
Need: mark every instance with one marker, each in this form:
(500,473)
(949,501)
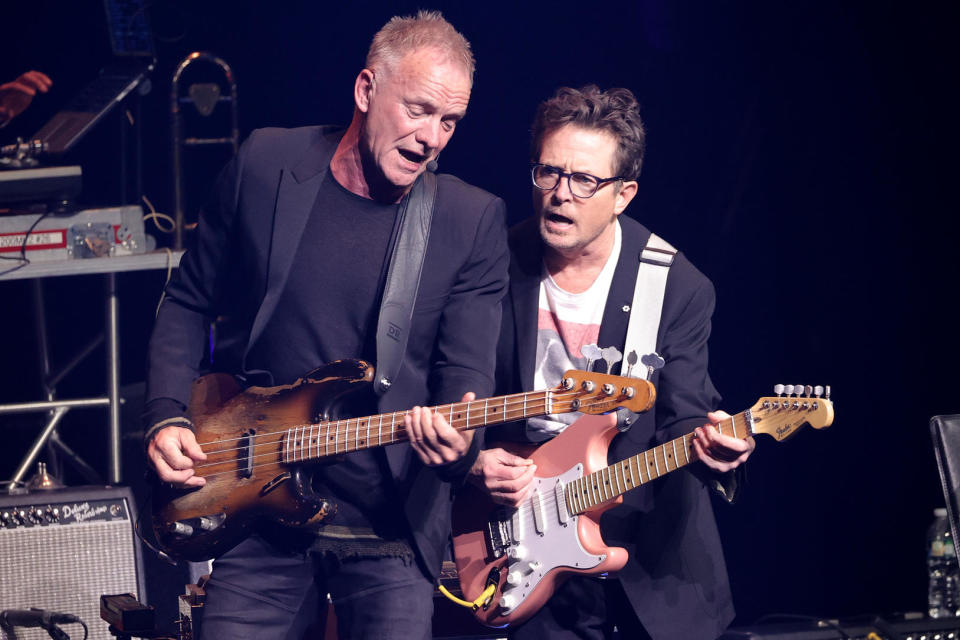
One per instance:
(627,191)
(363,89)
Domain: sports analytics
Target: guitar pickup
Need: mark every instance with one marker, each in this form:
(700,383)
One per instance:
(246,453)
(539,520)
(561,499)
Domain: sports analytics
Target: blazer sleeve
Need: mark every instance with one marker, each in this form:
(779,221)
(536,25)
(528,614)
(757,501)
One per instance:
(685,392)
(179,341)
(470,324)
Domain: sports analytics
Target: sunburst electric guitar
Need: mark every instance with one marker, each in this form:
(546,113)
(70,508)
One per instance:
(528,551)
(261,441)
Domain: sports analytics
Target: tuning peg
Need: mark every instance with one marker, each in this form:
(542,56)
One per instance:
(818,391)
(827,396)
(808,391)
(788,389)
(778,389)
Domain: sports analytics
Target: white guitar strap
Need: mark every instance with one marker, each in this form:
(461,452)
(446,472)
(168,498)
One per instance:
(641,342)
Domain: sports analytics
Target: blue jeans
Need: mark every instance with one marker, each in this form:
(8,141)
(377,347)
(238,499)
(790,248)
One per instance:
(257,590)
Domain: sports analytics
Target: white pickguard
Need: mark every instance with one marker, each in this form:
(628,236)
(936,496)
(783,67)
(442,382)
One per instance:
(543,538)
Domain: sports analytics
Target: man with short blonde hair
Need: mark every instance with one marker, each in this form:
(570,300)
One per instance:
(293,255)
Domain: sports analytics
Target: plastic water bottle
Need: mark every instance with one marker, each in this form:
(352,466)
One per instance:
(943,598)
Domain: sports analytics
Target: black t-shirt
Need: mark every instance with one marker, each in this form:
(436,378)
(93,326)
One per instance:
(327,311)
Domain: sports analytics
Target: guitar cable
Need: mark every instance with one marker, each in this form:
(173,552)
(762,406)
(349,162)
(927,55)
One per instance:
(476,604)
(493,579)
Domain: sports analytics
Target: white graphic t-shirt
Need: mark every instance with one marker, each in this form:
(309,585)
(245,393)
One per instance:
(567,322)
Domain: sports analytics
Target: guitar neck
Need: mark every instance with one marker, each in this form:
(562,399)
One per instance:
(585,493)
(314,441)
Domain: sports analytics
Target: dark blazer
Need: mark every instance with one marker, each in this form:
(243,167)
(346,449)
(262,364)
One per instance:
(237,269)
(676,577)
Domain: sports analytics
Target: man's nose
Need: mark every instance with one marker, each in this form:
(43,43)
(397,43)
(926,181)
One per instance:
(429,134)
(562,192)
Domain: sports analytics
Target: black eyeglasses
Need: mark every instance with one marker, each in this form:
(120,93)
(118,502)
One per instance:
(582,185)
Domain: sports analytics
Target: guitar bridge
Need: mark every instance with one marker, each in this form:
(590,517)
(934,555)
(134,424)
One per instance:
(500,533)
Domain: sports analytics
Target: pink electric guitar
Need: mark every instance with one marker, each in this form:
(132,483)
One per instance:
(528,551)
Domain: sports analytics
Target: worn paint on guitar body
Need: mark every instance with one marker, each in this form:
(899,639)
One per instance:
(236,495)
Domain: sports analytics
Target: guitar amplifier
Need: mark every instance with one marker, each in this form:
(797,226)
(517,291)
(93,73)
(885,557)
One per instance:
(62,549)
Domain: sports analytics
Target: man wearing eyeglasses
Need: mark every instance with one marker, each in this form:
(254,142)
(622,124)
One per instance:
(574,267)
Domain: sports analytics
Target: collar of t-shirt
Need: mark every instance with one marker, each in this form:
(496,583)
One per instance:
(566,322)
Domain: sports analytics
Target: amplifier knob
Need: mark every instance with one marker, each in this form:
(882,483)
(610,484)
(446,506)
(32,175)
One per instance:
(5,519)
(53,515)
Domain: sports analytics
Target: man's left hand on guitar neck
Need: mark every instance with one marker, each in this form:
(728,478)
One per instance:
(432,437)
(719,452)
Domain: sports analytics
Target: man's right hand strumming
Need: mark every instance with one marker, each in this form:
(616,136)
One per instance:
(173,451)
(507,478)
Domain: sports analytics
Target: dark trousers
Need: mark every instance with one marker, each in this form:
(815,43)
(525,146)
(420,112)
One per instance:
(584,608)
(257,590)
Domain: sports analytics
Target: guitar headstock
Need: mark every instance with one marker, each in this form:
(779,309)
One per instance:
(782,415)
(597,393)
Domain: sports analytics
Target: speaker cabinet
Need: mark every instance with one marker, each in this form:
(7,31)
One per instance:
(62,549)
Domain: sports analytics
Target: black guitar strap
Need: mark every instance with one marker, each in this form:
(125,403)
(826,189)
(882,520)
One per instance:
(403,280)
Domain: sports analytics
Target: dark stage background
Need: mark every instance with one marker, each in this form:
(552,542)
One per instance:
(803,155)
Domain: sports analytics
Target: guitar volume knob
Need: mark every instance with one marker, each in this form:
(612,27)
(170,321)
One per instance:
(518,552)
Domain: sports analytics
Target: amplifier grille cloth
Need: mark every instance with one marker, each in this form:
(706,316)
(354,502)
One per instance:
(67,568)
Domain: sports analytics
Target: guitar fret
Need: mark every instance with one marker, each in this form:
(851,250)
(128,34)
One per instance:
(733,425)
(676,460)
(633,478)
(503,412)
(606,484)
(686,450)
(316,428)
(656,462)
(618,468)
(468,415)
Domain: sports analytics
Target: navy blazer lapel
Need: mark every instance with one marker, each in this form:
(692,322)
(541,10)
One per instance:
(296,197)
(526,271)
(616,314)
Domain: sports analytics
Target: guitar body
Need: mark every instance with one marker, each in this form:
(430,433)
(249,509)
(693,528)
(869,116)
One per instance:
(246,478)
(551,548)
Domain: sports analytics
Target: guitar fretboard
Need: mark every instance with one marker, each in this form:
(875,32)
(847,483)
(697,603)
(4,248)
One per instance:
(585,493)
(329,438)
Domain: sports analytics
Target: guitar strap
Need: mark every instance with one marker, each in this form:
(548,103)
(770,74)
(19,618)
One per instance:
(655,261)
(403,279)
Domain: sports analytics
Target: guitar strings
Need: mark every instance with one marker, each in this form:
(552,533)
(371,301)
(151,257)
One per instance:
(324,427)
(280,441)
(397,437)
(539,396)
(524,397)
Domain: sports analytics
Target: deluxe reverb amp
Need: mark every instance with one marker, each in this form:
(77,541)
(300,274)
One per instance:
(62,549)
